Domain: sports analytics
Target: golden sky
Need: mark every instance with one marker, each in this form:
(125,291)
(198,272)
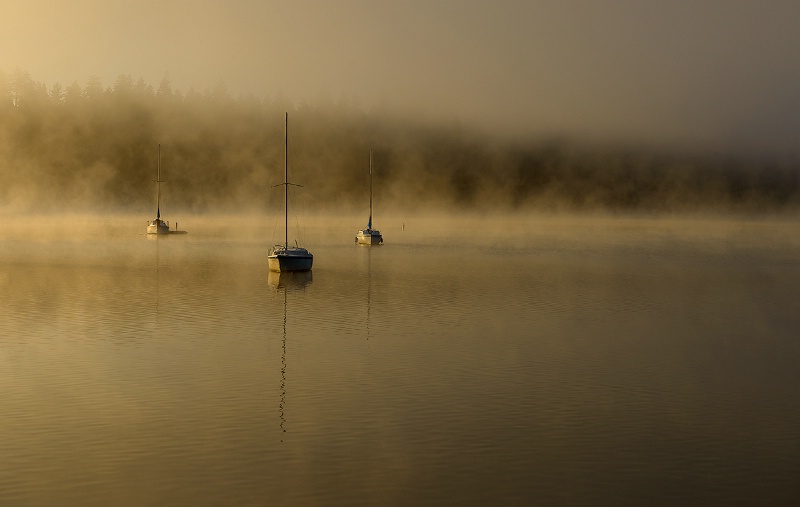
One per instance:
(710,73)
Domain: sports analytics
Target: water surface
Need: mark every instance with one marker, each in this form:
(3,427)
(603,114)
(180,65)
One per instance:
(468,361)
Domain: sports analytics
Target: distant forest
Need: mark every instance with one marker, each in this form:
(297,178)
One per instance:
(91,147)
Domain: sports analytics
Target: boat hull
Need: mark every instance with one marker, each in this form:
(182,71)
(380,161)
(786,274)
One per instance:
(284,260)
(369,237)
(157,227)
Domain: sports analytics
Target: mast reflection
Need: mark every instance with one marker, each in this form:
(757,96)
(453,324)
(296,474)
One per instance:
(286,282)
(152,237)
(367,260)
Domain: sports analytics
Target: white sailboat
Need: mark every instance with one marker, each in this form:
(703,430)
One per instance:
(283,258)
(369,236)
(158,226)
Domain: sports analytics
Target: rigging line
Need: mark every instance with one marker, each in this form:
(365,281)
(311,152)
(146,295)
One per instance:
(278,210)
(293,169)
(300,228)
(275,218)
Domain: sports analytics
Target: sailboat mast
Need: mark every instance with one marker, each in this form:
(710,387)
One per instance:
(286,181)
(369,225)
(158,185)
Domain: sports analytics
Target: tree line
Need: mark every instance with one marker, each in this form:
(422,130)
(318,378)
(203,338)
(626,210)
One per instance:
(94,147)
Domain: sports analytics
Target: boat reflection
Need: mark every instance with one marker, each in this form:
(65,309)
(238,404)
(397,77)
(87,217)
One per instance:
(289,279)
(157,263)
(368,255)
(282,402)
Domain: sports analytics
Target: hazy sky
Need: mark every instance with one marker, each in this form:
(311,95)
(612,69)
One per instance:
(719,74)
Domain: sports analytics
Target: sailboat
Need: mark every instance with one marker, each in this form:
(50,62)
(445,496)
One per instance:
(158,226)
(369,236)
(283,258)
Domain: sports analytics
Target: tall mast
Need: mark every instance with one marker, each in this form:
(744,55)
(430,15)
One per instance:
(158,185)
(369,224)
(286,184)
(286,181)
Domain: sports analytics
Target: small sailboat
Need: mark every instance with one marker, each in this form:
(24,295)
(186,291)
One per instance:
(369,236)
(283,258)
(158,226)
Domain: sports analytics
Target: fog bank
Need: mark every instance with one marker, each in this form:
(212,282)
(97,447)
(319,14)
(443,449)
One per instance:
(94,147)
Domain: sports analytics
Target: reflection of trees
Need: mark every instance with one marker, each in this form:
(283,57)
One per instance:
(223,150)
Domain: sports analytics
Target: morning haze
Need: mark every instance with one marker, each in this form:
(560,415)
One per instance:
(468,103)
(706,75)
(586,292)
(94,147)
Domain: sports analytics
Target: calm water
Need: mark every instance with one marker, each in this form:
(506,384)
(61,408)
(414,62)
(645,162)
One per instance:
(547,361)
